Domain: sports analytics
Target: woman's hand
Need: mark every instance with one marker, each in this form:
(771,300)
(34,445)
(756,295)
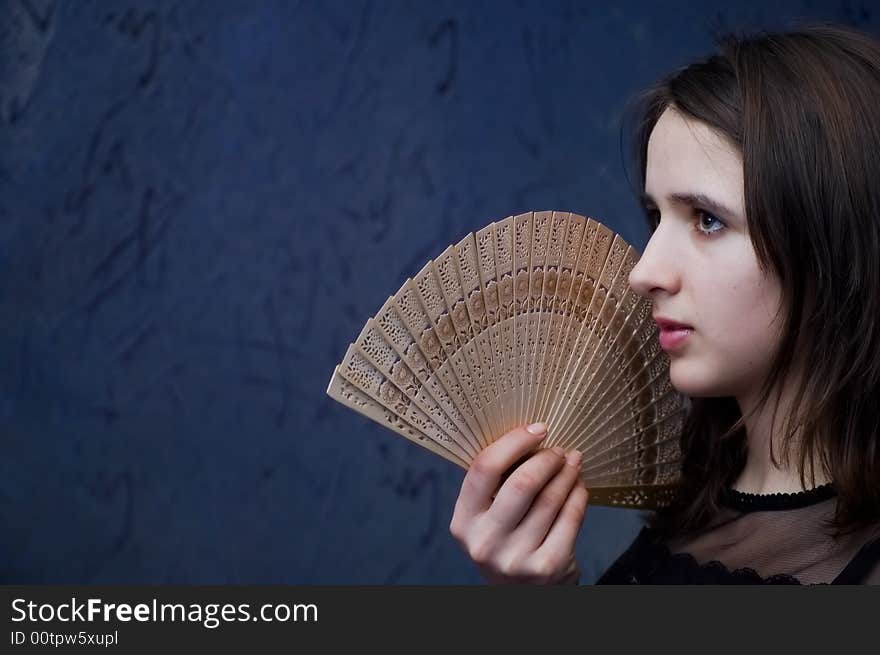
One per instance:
(527,533)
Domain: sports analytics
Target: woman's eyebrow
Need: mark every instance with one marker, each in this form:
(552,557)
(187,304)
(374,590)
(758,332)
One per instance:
(696,199)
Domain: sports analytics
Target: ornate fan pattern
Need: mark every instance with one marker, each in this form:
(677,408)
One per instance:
(529,319)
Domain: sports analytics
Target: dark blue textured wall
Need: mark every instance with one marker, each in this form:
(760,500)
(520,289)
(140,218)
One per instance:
(201,204)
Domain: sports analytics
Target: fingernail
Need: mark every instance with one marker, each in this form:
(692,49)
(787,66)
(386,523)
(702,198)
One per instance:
(559,450)
(537,428)
(573,458)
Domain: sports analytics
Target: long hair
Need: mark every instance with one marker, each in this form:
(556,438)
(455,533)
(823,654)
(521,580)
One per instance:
(801,106)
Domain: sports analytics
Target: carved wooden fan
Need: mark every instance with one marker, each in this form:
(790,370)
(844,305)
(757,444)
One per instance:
(529,319)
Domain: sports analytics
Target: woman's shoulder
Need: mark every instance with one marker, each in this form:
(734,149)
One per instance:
(864,567)
(754,546)
(649,560)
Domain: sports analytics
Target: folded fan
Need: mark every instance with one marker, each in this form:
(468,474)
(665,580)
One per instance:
(529,319)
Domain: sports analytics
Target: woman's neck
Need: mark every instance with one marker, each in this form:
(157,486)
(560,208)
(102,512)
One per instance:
(760,475)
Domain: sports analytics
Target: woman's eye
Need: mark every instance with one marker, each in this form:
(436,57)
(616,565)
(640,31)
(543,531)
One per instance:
(704,217)
(706,223)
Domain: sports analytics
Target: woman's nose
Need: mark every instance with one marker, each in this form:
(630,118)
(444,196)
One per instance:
(655,270)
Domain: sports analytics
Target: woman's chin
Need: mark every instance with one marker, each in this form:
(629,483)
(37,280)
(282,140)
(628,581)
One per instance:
(691,381)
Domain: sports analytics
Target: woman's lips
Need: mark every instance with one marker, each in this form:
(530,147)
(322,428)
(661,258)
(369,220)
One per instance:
(674,339)
(673,334)
(668,324)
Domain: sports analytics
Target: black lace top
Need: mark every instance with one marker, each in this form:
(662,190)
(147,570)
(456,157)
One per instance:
(756,539)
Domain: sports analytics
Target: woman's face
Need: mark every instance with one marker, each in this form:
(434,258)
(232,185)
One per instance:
(699,267)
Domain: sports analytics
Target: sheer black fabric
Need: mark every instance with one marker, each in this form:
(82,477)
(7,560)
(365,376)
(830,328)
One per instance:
(757,539)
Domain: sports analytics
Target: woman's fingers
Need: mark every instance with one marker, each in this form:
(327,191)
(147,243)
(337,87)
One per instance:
(520,489)
(519,512)
(545,509)
(563,534)
(485,472)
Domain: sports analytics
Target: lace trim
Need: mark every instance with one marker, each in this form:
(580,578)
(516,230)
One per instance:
(692,571)
(745,574)
(746,502)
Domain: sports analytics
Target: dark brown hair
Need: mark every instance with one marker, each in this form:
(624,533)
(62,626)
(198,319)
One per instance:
(803,108)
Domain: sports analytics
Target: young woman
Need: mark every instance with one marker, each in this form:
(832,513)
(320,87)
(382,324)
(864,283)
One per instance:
(760,175)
